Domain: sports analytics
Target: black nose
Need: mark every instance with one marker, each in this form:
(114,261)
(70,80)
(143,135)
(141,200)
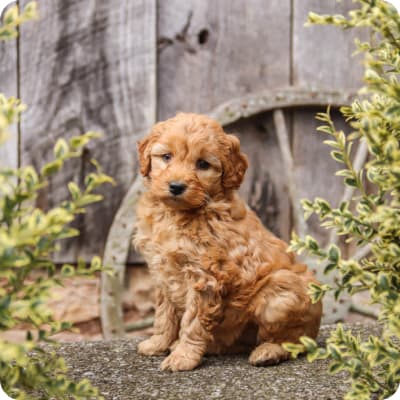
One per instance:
(176,188)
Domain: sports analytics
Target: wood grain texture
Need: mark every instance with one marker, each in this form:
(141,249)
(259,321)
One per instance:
(92,66)
(9,87)
(246,49)
(89,66)
(314,167)
(213,51)
(322,59)
(315,177)
(322,55)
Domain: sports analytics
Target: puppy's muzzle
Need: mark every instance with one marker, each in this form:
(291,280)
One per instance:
(177,188)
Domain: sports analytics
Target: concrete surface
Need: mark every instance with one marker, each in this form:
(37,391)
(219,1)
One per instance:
(121,374)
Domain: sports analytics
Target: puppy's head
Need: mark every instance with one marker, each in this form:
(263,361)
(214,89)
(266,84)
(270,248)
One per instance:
(189,159)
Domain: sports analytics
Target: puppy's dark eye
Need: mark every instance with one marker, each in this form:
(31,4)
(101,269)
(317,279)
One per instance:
(167,157)
(202,164)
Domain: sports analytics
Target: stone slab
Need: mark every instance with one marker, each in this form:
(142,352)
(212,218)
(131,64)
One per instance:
(121,374)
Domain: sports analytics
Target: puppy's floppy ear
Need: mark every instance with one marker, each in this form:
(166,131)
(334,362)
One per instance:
(144,155)
(235,164)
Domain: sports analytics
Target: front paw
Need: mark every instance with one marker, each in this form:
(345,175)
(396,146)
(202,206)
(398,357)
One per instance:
(152,347)
(179,362)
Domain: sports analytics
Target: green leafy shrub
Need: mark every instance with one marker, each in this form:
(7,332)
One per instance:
(13,18)
(372,217)
(28,237)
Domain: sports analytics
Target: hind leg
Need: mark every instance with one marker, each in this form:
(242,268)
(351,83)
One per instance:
(284,313)
(268,354)
(270,337)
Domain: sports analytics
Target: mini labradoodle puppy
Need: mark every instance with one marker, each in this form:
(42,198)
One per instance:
(224,282)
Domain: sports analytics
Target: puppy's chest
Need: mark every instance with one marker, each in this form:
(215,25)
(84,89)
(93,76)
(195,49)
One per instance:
(174,255)
(177,253)
(177,242)
(173,265)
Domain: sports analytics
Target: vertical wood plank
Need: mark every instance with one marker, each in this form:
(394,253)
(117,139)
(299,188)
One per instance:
(322,58)
(212,51)
(322,55)
(9,87)
(89,66)
(314,167)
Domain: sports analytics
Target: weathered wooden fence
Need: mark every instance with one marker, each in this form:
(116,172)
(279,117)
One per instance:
(118,66)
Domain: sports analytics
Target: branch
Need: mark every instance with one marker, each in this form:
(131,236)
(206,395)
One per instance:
(359,161)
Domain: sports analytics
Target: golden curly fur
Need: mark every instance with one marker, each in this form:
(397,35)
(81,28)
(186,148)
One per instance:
(224,282)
